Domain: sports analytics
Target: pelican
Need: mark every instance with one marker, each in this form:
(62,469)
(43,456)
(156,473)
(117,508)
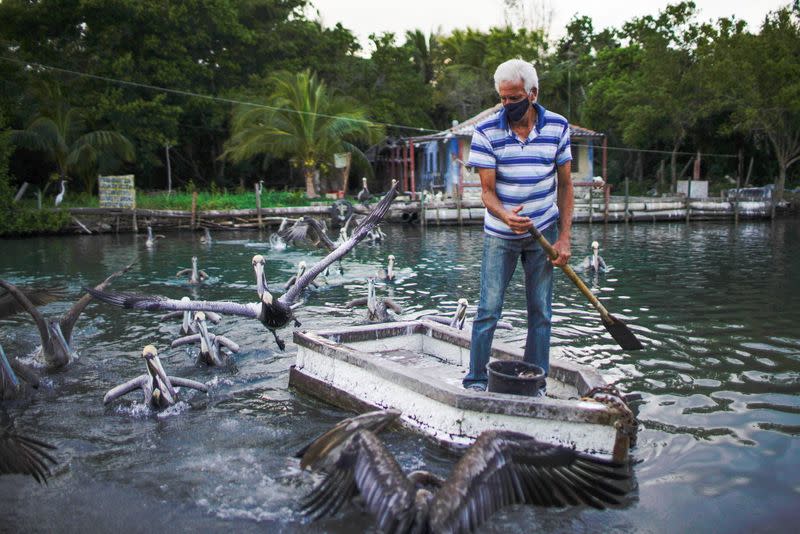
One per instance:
(378,309)
(196,276)
(56,332)
(276,241)
(301,268)
(388,273)
(364,195)
(459,318)
(151,239)
(342,236)
(158,388)
(187,326)
(10,373)
(210,344)
(206,239)
(595,262)
(9,305)
(60,196)
(273,313)
(376,235)
(24,455)
(308,229)
(500,469)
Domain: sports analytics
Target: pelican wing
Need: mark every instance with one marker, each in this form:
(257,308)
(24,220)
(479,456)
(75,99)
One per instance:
(213,317)
(365,466)
(156,302)
(28,306)
(227,343)
(359,233)
(24,455)
(185,340)
(70,318)
(503,468)
(307,228)
(9,305)
(392,305)
(356,302)
(204,275)
(183,272)
(171,315)
(186,383)
(126,387)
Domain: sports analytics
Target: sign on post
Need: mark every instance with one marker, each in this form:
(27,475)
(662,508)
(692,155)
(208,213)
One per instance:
(342,163)
(117,191)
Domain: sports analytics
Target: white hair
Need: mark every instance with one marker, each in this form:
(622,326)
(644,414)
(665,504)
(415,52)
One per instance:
(515,70)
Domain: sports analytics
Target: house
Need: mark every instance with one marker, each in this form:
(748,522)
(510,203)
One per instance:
(437,162)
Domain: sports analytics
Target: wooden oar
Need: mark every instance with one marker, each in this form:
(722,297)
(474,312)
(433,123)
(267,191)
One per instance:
(618,330)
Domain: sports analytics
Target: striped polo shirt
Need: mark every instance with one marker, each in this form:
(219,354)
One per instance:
(525,170)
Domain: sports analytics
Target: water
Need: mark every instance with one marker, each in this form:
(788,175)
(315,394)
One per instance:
(714,304)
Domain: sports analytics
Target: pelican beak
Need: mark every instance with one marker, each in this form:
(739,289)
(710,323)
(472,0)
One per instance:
(261,277)
(6,372)
(156,370)
(461,311)
(200,319)
(58,337)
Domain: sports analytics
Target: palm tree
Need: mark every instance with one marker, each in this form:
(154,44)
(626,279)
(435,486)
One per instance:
(304,121)
(58,130)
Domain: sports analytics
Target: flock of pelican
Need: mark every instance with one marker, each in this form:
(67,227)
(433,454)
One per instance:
(501,468)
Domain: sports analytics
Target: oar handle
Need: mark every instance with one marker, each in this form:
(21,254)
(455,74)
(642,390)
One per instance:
(571,274)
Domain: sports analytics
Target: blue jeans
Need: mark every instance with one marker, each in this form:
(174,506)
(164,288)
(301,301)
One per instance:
(500,258)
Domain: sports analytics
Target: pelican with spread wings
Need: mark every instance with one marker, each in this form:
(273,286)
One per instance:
(501,468)
(274,313)
(56,332)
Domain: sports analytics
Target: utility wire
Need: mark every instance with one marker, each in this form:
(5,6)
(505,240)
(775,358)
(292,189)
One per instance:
(653,151)
(200,95)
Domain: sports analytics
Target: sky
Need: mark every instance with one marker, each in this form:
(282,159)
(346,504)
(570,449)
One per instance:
(363,17)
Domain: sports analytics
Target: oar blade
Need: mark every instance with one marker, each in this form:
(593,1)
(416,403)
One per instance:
(621,333)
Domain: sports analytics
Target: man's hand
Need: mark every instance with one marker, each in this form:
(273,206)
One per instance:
(518,224)
(564,253)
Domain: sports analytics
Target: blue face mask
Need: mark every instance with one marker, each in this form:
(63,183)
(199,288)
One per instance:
(516,110)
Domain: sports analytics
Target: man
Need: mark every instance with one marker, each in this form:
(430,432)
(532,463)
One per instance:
(523,157)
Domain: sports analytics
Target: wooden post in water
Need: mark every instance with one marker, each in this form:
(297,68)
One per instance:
(739,172)
(193,222)
(257,188)
(606,196)
(626,199)
(591,203)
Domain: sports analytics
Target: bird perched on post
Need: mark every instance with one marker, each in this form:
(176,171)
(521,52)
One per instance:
(501,468)
(364,195)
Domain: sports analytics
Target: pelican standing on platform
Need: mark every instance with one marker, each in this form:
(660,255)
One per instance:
(210,344)
(377,308)
(151,239)
(158,388)
(500,469)
(196,276)
(459,318)
(56,332)
(273,313)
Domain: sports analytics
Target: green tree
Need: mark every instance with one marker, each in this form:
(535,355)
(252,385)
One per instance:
(756,79)
(305,121)
(59,131)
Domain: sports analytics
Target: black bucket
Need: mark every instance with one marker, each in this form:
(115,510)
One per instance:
(504,377)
